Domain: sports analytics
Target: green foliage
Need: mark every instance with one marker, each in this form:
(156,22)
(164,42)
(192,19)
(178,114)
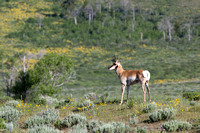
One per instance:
(12,103)
(133,120)
(90,96)
(10,114)
(51,70)
(43,129)
(173,125)
(86,104)
(45,118)
(161,114)
(193,103)
(195,96)
(92,125)
(114,127)
(46,100)
(141,129)
(130,103)
(70,121)
(2,125)
(79,128)
(9,126)
(150,107)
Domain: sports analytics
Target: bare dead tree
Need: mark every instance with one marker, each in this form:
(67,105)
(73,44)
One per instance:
(109,4)
(125,5)
(99,5)
(75,12)
(163,27)
(132,10)
(170,28)
(39,21)
(8,79)
(56,78)
(89,10)
(187,26)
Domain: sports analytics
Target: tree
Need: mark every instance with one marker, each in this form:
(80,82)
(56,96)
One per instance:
(163,27)
(75,12)
(46,77)
(89,10)
(73,8)
(170,28)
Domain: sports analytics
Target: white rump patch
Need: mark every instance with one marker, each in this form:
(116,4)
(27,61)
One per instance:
(146,74)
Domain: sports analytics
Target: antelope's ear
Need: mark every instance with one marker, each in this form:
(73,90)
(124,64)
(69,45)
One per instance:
(119,61)
(113,60)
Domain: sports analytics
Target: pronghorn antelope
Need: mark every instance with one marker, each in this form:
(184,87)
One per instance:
(130,77)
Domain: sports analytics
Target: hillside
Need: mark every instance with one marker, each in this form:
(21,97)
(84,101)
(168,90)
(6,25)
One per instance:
(162,36)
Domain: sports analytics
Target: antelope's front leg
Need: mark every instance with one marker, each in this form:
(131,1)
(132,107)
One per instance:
(123,89)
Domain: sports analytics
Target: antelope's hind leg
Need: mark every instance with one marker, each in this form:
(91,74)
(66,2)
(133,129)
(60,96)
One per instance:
(147,86)
(144,89)
(127,92)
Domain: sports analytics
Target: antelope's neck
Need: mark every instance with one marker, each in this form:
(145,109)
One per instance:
(119,71)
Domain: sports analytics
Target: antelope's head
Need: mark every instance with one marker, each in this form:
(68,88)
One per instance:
(115,65)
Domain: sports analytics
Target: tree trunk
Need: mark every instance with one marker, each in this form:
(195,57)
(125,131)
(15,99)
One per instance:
(24,64)
(170,34)
(133,26)
(39,22)
(90,18)
(141,36)
(75,20)
(189,35)
(169,30)
(164,35)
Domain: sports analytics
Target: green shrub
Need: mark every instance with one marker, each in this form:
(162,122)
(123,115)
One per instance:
(141,129)
(150,107)
(70,120)
(87,104)
(173,125)
(62,103)
(192,103)
(79,128)
(92,125)
(195,96)
(161,114)
(114,127)
(47,74)
(45,118)
(12,103)
(90,96)
(9,126)
(43,129)
(130,103)
(2,125)
(46,100)
(10,114)
(133,120)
